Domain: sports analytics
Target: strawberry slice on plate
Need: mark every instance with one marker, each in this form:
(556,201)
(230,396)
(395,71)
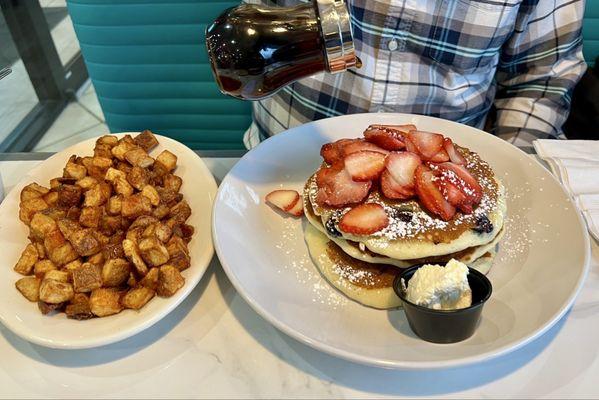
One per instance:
(386,137)
(298,209)
(430,196)
(428,144)
(461,177)
(365,165)
(454,155)
(361,145)
(284,200)
(336,188)
(364,219)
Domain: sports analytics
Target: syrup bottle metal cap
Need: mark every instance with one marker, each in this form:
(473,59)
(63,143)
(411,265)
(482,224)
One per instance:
(336,32)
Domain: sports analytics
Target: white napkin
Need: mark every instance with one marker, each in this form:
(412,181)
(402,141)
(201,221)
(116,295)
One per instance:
(576,164)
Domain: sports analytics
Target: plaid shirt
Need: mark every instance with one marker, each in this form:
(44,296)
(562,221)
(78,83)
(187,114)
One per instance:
(454,59)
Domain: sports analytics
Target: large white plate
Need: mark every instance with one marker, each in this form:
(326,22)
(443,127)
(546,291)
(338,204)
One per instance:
(540,268)
(24,318)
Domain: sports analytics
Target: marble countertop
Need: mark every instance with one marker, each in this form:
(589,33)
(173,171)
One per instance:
(215,345)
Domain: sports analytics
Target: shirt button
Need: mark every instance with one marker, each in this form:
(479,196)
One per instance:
(392,45)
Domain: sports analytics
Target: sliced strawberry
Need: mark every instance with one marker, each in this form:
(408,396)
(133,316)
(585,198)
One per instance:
(393,190)
(298,209)
(427,143)
(401,128)
(333,152)
(430,196)
(385,137)
(410,146)
(401,166)
(461,177)
(365,165)
(323,173)
(454,155)
(441,156)
(365,219)
(283,199)
(361,145)
(337,189)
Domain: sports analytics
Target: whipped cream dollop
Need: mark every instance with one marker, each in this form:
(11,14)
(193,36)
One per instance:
(440,288)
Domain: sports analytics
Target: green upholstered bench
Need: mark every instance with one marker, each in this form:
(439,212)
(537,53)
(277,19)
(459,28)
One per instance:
(148,63)
(590,32)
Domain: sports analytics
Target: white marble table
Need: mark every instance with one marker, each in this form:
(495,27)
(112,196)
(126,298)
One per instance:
(215,345)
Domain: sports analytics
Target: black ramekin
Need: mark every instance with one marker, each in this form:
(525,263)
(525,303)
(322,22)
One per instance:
(445,326)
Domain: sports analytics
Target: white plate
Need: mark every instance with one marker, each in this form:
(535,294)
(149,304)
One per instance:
(23,317)
(539,270)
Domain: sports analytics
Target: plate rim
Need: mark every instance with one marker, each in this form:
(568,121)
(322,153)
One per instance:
(386,363)
(126,333)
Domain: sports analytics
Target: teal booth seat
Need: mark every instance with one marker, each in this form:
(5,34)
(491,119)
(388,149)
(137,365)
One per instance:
(150,69)
(148,63)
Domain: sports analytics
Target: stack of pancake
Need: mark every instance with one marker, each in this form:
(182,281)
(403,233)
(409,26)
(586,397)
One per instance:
(363,267)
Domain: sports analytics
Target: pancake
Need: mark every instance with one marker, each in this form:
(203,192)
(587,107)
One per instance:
(365,283)
(360,252)
(413,233)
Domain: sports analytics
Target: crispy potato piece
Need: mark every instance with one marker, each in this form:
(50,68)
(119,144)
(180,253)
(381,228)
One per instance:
(185,231)
(149,231)
(28,208)
(180,211)
(41,225)
(134,234)
(41,250)
(102,150)
(97,258)
(161,211)
(167,159)
(53,240)
(113,174)
(178,253)
(163,232)
(127,139)
(137,298)
(169,281)
(151,279)
(132,254)
(29,287)
(33,191)
(122,148)
(73,265)
(113,250)
(73,213)
(97,195)
(75,171)
(169,197)
(54,213)
(172,182)
(138,177)
(87,278)
(104,302)
(79,308)
(47,308)
(115,272)
(113,207)
(54,183)
(138,157)
(90,216)
(132,281)
(153,251)
(87,183)
(27,260)
(42,266)
(68,196)
(151,193)
(146,140)
(63,254)
(108,140)
(124,167)
(123,187)
(51,198)
(55,292)
(136,205)
(102,162)
(143,221)
(57,275)
(84,242)
(109,224)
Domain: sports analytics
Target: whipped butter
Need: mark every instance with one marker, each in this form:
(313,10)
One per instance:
(440,288)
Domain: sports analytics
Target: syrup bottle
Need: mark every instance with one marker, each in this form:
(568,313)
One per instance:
(255,50)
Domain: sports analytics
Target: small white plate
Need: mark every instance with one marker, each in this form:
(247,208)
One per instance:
(57,331)
(539,270)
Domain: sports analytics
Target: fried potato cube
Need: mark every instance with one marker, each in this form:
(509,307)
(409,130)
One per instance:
(97,259)
(55,292)
(29,287)
(132,254)
(84,242)
(33,191)
(41,225)
(124,167)
(87,183)
(68,196)
(75,171)
(161,211)
(73,213)
(113,174)
(136,205)
(102,162)
(54,183)
(104,302)
(143,221)
(151,279)
(108,140)
(163,232)
(27,260)
(127,139)
(132,281)
(138,177)
(153,251)
(63,254)
(146,140)
(109,224)
(79,307)
(87,278)
(167,159)
(180,212)
(90,216)
(102,150)
(51,198)
(172,182)
(47,308)
(121,186)
(139,158)
(56,275)
(113,207)
(54,213)
(134,234)
(97,195)
(169,281)
(122,148)
(28,208)
(68,227)
(169,197)
(42,266)
(115,272)
(137,298)
(113,250)
(72,266)
(41,250)
(184,231)
(151,193)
